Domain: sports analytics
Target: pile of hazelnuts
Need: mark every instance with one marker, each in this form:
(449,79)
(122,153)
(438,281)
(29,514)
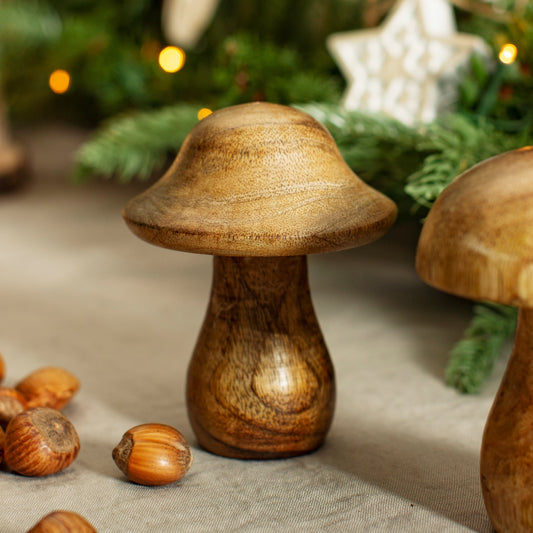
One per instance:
(36,439)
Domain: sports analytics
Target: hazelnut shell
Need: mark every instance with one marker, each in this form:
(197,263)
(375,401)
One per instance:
(39,442)
(153,454)
(12,402)
(62,522)
(49,386)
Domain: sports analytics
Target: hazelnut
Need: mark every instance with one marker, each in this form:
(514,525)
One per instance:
(11,404)
(39,442)
(153,454)
(50,386)
(62,522)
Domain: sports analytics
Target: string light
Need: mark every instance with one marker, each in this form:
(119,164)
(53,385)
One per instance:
(171,58)
(204,112)
(59,81)
(508,54)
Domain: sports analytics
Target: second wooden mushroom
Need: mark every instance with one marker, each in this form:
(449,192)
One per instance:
(260,186)
(477,242)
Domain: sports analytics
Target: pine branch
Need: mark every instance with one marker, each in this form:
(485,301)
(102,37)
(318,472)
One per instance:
(455,143)
(412,165)
(247,68)
(24,24)
(472,358)
(135,145)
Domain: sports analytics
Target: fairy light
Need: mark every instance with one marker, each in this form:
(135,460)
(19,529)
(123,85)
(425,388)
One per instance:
(204,112)
(508,54)
(171,59)
(59,81)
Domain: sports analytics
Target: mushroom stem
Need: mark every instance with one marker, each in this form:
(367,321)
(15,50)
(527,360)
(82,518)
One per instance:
(260,382)
(507,447)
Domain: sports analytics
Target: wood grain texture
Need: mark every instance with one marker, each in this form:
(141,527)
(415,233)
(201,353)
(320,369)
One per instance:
(260,382)
(507,447)
(259,179)
(260,186)
(477,240)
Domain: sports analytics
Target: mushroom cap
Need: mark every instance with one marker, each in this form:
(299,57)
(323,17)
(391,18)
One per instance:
(259,179)
(477,240)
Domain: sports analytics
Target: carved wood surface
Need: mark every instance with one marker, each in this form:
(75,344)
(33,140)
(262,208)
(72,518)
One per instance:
(260,186)
(507,448)
(259,179)
(477,240)
(260,382)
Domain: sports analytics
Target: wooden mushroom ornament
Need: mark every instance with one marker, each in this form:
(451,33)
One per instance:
(13,159)
(477,242)
(260,186)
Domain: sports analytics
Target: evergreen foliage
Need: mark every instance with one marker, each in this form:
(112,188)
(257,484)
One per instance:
(135,146)
(455,143)
(473,357)
(111,50)
(246,70)
(22,29)
(106,51)
(420,161)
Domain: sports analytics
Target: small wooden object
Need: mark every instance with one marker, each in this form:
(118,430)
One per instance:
(260,186)
(477,242)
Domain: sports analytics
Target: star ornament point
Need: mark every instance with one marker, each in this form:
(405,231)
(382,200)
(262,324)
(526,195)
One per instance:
(405,67)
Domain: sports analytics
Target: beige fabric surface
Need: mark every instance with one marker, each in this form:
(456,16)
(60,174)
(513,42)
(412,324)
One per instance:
(78,290)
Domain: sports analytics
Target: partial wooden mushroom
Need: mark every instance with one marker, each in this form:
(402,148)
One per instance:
(260,186)
(13,159)
(477,242)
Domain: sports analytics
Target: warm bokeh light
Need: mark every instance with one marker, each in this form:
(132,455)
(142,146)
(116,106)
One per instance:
(204,112)
(59,81)
(508,53)
(171,59)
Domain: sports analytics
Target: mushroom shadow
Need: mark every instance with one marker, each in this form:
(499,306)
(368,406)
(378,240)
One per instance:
(441,477)
(380,279)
